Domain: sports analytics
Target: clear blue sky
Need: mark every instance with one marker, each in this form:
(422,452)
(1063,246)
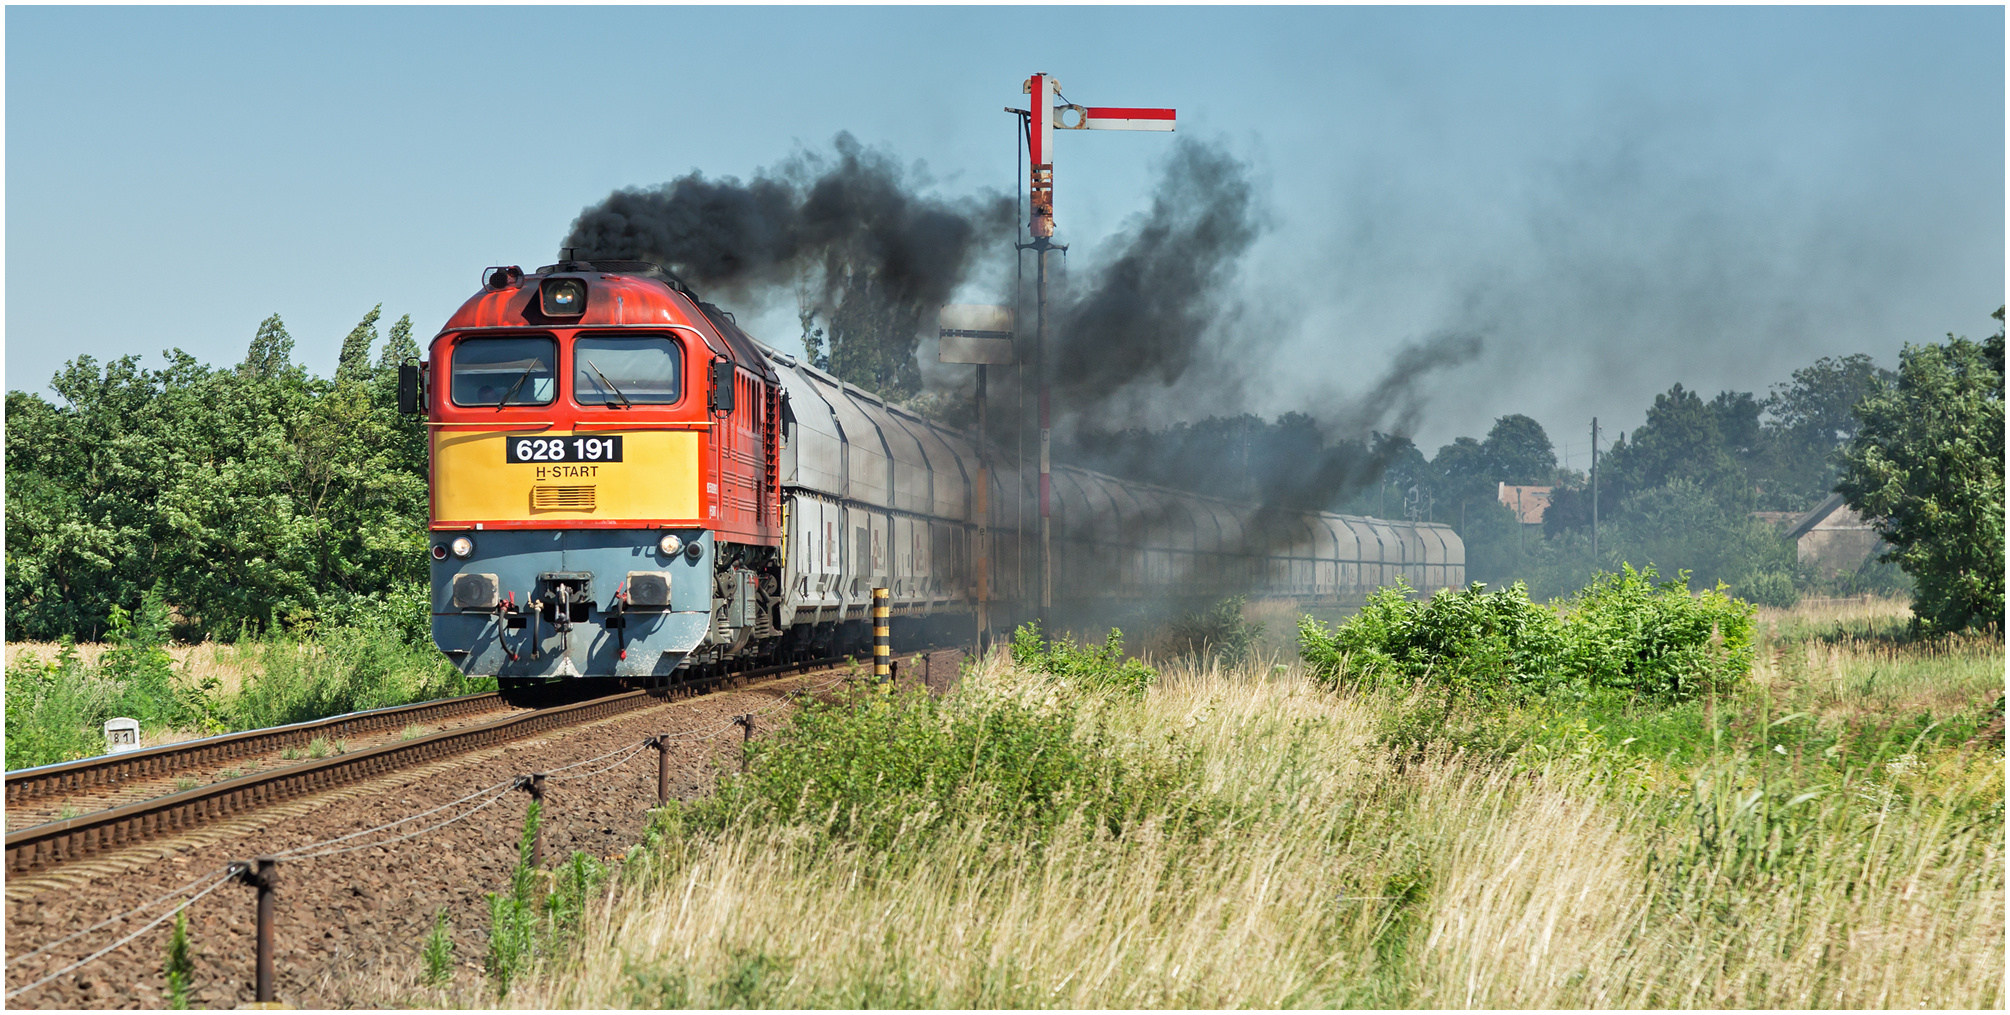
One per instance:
(1617,198)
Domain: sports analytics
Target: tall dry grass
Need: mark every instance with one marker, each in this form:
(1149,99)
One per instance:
(1298,865)
(229,665)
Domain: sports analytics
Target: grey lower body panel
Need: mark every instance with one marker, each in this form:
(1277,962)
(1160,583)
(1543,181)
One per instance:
(600,636)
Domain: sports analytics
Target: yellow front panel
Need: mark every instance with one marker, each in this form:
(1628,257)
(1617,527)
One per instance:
(657,478)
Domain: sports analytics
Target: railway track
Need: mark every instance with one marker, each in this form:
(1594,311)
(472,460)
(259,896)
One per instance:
(107,777)
(51,844)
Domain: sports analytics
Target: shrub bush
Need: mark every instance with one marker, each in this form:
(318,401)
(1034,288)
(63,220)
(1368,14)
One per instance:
(1466,639)
(1626,632)
(344,669)
(1220,632)
(1768,588)
(1083,666)
(55,709)
(1629,632)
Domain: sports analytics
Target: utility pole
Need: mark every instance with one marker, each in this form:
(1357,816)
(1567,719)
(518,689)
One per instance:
(1594,491)
(1519,523)
(1041,120)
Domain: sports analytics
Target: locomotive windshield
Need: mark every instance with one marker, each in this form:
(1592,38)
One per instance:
(622,371)
(505,371)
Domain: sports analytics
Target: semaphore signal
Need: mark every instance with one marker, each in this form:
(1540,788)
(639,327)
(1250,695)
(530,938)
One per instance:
(1041,121)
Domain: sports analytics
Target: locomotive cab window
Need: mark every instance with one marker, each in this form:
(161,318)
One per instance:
(505,371)
(620,372)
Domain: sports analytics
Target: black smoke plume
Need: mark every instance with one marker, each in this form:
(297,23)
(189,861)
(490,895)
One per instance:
(1160,323)
(1156,330)
(1155,308)
(849,232)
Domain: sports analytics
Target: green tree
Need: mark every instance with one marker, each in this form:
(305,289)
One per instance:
(1927,463)
(1406,476)
(1462,475)
(398,346)
(271,351)
(251,495)
(1809,420)
(1681,439)
(1680,527)
(354,361)
(1518,451)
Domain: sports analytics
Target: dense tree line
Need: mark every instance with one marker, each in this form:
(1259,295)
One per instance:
(258,496)
(250,496)
(1919,448)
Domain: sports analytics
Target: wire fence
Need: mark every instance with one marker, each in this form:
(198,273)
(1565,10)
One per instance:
(315,850)
(116,945)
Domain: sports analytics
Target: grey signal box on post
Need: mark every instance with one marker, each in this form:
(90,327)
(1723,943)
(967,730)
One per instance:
(981,334)
(976,333)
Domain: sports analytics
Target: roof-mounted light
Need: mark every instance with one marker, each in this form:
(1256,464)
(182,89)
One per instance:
(499,278)
(563,297)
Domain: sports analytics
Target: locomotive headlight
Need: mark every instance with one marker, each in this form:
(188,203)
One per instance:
(463,547)
(564,297)
(670,544)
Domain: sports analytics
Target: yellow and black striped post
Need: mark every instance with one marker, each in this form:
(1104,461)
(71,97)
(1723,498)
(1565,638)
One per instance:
(882,639)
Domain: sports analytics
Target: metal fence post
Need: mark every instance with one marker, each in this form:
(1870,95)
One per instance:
(662,745)
(534,785)
(746,724)
(261,874)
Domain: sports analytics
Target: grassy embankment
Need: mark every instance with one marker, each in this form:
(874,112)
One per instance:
(1062,833)
(59,696)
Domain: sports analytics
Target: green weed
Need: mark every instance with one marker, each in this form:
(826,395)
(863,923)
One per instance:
(180,965)
(1083,666)
(56,709)
(439,953)
(543,913)
(1242,838)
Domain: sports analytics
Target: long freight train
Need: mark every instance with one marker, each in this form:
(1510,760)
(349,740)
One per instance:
(626,485)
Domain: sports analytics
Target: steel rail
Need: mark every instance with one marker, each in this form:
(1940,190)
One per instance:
(49,845)
(110,770)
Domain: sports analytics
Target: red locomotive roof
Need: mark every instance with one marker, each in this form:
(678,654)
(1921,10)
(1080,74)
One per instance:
(611,301)
(634,294)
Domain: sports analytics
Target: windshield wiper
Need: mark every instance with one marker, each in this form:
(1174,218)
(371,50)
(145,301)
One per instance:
(534,364)
(625,403)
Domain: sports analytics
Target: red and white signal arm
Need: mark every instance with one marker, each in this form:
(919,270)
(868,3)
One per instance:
(1073,117)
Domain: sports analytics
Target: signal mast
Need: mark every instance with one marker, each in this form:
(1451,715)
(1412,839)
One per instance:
(1041,121)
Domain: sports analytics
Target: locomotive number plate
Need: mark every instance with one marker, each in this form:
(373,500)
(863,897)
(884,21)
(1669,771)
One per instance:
(562,449)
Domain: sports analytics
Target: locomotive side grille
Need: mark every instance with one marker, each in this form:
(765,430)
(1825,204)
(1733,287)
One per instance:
(561,498)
